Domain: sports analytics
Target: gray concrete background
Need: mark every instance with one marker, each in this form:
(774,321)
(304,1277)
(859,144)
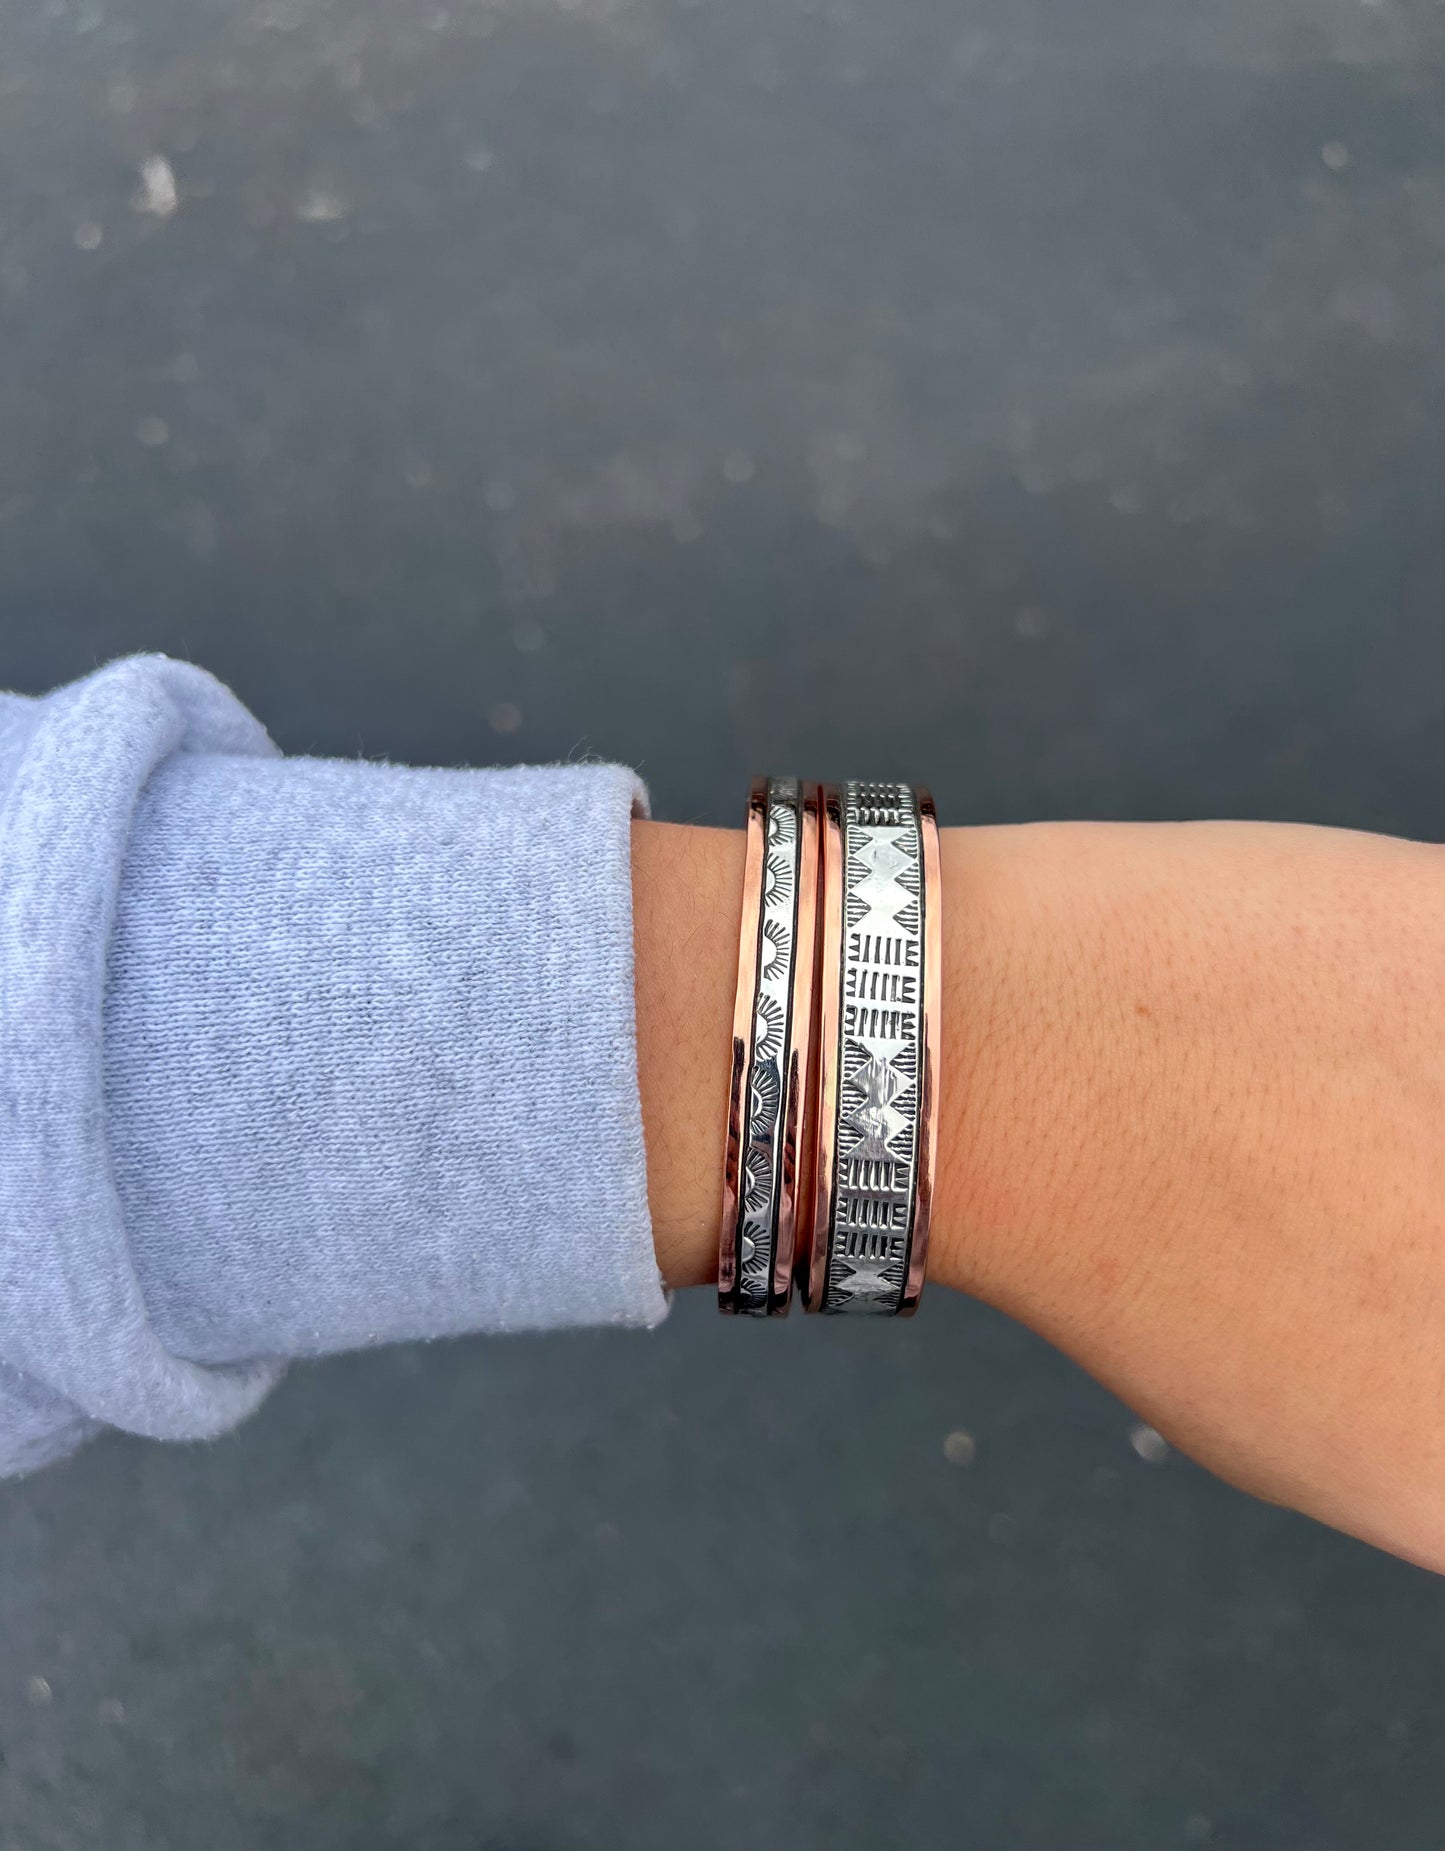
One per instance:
(487,381)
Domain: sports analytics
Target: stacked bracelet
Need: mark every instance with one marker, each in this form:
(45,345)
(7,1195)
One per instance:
(834,1170)
(878,1049)
(772,1033)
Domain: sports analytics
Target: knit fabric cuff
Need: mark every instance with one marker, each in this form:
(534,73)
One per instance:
(297,1055)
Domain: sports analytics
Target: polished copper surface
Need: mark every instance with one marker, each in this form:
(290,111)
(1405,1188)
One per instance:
(794,1204)
(932,1026)
(813,1264)
(748,930)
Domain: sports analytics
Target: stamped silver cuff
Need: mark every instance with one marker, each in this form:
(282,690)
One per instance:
(772,1026)
(879,1015)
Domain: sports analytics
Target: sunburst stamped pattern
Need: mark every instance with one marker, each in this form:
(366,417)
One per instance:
(880,1038)
(762,1130)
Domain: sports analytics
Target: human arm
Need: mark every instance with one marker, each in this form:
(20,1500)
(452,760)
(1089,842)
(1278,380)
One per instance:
(1193,1128)
(296,1055)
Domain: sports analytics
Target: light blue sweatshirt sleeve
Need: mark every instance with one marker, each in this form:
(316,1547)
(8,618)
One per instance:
(296,1055)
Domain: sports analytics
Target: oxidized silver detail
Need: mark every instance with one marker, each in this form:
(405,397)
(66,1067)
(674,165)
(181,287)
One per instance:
(880,1036)
(763,1128)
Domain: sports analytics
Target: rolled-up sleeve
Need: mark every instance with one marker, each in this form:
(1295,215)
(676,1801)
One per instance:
(296,1055)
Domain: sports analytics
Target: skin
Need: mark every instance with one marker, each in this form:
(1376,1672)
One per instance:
(1192,1128)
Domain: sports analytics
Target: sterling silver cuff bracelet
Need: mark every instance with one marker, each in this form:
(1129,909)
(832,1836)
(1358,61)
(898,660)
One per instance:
(878,1027)
(772,1027)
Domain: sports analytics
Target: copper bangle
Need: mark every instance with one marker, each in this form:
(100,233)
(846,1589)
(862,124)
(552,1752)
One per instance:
(879,1011)
(767,1145)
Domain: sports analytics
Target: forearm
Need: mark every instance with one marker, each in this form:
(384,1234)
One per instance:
(296,1055)
(1193,1127)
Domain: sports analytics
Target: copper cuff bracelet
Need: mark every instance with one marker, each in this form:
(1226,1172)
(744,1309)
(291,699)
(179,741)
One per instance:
(879,1015)
(763,1180)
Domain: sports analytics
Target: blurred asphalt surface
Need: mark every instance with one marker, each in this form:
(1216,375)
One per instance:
(478,381)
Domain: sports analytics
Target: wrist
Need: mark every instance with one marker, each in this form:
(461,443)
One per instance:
(687,902)
(687,897)
(1189,1130)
